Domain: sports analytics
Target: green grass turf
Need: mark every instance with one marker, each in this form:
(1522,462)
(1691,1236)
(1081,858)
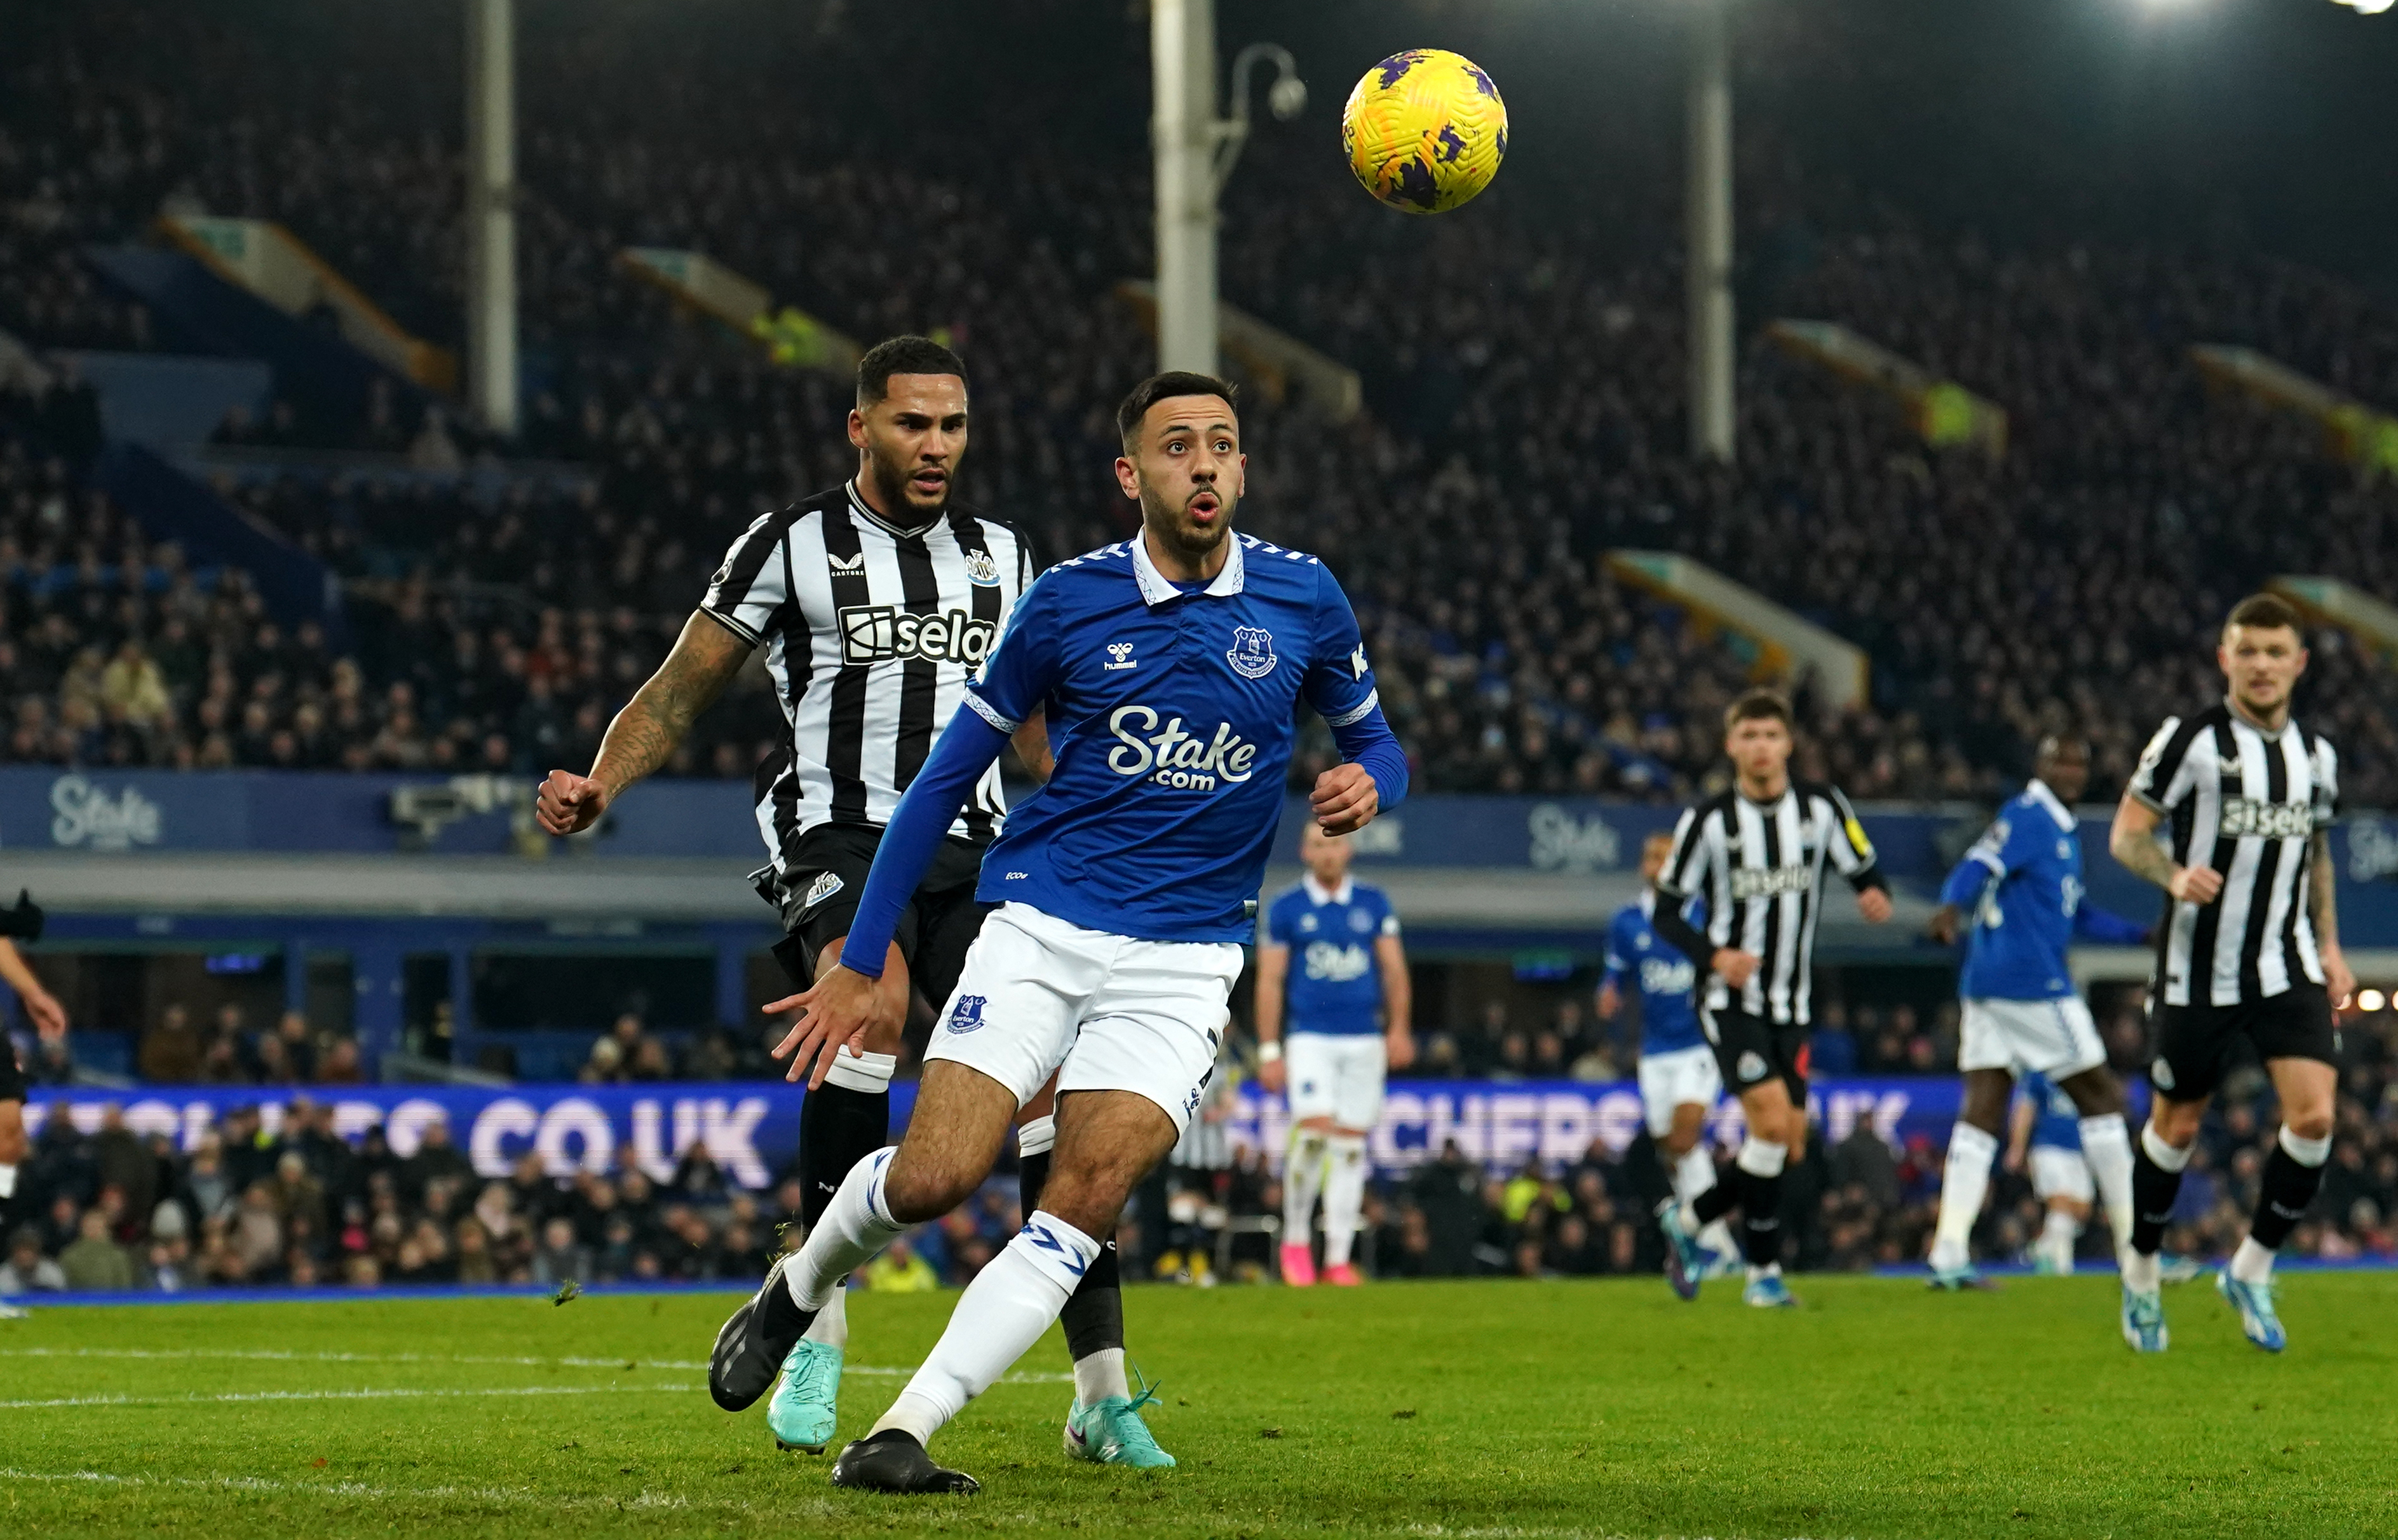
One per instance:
(1458,1409)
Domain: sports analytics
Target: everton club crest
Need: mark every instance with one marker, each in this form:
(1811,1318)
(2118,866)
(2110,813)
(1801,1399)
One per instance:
(1253,655)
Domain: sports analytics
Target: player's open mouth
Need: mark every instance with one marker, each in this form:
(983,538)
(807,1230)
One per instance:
(1204,507)
(929,482)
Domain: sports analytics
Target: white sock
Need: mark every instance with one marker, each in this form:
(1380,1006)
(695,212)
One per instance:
(2106,1150)
(1000,1317)
(2251,1262)
(1771,1269)
(2143,1274)
(7,1182)
(2167,1157)
(831,1325)
(2306,1152)
(1345,1196)
(1302,1178)
(1964,1182)
(1036,1137)
(868,1072)
(1694,1172)
(1101,1376)
(851,1233)
(2056,1239)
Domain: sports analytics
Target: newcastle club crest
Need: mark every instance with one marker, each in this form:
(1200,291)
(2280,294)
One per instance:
(1253,655)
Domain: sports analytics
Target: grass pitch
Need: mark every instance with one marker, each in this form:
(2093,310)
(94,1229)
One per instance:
(1493,1409)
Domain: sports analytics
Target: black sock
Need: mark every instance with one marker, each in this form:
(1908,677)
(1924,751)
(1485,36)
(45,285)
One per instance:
(837,1128)
(2153,1191)
(2281,1198)
(1093,1313)
(1031,1176)
(1761,1217)
(1719,1200)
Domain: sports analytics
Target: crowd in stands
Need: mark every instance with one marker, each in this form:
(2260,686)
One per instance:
(290,1200)
(1519,427)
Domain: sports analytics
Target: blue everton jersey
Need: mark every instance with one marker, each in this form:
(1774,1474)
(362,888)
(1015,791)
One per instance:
(2021,884)
(1334,985)
(1171,709)
(2057,1122)
(1669,1020)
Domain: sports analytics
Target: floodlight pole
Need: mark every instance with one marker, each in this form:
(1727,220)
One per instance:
(1708,274)
(1182,139)
(490,214)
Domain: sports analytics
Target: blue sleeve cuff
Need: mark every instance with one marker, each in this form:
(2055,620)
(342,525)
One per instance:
(1965,883)
(966,748)
(1366,741)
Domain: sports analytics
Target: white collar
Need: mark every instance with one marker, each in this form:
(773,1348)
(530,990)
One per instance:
(2038,792)
(857,502)
(1319,894)
(1156,588)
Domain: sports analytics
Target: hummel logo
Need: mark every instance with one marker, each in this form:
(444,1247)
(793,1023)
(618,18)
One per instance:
(847,563)
(2230,768)
(1121,653)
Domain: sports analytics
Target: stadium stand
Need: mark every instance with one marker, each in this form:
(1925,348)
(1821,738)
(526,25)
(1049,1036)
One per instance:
(1520,426)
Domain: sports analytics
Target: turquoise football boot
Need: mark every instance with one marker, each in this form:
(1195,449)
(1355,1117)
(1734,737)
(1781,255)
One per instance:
(804,1409)
(2144,1320)
(1110,1432)
(2255,1302)
(1766,1291)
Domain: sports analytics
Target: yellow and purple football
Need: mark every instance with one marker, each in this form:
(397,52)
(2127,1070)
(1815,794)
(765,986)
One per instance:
(1424,130)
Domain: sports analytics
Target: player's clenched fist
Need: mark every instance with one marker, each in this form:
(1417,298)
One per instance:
(1345,799)
(568,803)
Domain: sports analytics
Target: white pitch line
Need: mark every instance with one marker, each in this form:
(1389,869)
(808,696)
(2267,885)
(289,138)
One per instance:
(401,1394)
(271,1356)
(360,1489)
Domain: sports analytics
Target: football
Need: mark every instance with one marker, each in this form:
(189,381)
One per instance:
(1424,130)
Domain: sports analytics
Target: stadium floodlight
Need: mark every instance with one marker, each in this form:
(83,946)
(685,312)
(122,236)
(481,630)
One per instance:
(490,214)
(1709,256)
(2370,1001)
(1194,150)
(2367,8)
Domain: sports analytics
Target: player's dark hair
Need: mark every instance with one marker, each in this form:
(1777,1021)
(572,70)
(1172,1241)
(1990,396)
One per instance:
(1165,387)
(2266,612)
(1755,705)
(903,356)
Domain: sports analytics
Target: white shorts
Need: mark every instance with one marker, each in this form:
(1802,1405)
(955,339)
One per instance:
(2060,1173)
(1683,1077)
(1104,1013)
(2056,1038)
(1336,1075)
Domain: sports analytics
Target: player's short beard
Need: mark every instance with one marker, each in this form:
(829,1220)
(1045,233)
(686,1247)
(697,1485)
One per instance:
(1175,532)
(890,479)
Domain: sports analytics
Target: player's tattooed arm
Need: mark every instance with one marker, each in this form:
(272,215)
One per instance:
(2133,842)
(644,734)
(1031,742)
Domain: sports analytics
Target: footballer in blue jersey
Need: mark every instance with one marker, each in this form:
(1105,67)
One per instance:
(1680,1080)
(1329,952)
(2018,901)
(2044,1135)
(1171,668)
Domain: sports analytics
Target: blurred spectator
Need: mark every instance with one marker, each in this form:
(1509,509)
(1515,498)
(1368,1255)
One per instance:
(95,1263)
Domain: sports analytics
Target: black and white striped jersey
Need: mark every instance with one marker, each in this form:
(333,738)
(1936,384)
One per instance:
(1759,865)
(2245,802)
(872,632)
